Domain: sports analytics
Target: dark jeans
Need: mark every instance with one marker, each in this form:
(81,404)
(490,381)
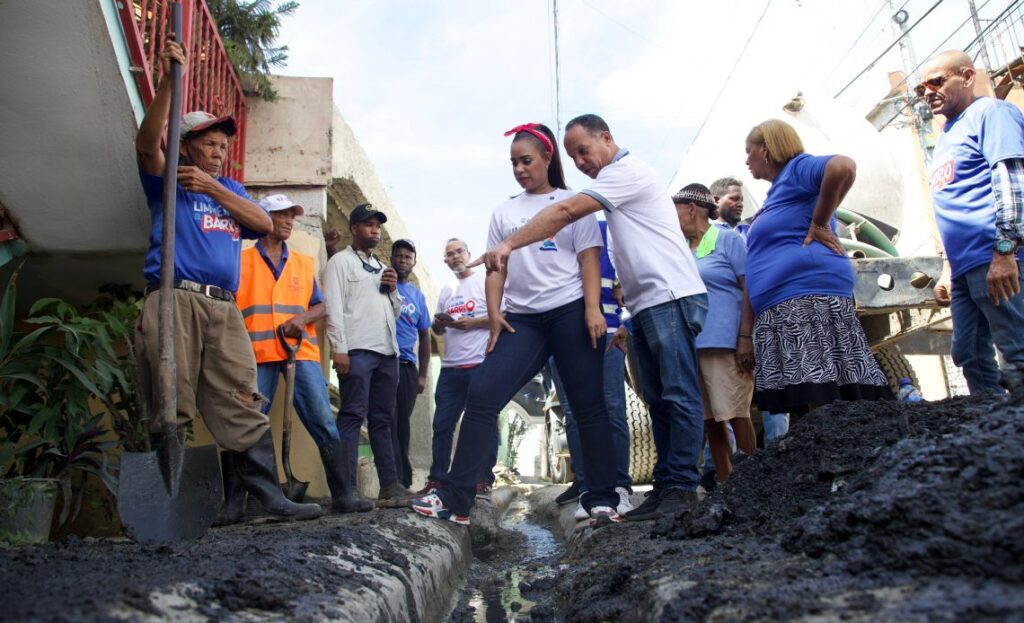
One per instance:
(664,337)
(615,401)
(516,358)
(449,403)
(408,389)
(978,325)
(368,392)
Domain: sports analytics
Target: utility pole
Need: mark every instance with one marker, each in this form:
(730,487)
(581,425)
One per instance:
(922,115)
(982,44)
(558,71)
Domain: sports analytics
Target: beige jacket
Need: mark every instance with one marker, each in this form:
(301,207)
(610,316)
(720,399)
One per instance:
(359,317)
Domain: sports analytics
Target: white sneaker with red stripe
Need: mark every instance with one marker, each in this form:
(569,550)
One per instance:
(433,506)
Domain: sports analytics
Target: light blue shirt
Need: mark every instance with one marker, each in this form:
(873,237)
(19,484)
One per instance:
(721,271)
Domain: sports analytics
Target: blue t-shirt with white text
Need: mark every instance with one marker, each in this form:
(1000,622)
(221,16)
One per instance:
(414,317)
(207,239)
(779,267)
(987,132)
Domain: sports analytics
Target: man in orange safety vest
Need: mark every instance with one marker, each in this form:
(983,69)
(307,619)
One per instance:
(278,288)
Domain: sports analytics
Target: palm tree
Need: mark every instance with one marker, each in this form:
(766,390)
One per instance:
(249,30)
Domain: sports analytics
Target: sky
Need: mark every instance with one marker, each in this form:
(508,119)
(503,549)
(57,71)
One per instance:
(429,88)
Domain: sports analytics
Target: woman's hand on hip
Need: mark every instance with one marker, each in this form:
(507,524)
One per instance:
(824,235)
(498,324)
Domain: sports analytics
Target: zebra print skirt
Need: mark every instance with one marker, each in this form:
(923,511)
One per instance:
(811,351)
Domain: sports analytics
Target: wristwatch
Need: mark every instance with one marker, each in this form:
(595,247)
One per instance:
(1005,247)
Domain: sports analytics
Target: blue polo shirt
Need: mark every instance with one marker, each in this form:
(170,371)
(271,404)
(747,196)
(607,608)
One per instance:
(779,267)
(315,299)
(415,317)
(986,133)
(207,239)
(720,270)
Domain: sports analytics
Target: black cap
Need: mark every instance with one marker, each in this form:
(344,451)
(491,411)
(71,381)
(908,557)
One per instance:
(364,212)
(402,242)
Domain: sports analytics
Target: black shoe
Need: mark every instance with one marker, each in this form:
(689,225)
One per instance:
(395,495)
(234,492)
(648,510)
(570,495)
(674,501)
(344,497)
(257,469)
(709,480)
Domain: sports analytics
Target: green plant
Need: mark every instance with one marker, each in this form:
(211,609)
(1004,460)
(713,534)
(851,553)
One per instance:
(48,374)
(249,31)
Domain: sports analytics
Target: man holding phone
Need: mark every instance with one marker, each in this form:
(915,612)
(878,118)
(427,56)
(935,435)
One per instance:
(462,318)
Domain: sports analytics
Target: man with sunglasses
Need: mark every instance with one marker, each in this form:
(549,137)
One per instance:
(977,182)
(362,307)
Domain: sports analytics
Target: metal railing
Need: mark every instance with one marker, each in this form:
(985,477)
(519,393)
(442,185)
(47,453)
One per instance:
(209,82)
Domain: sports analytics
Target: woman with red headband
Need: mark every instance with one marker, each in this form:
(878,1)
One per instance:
(552,297)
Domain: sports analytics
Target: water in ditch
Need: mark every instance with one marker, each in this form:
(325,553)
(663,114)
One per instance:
(516,583)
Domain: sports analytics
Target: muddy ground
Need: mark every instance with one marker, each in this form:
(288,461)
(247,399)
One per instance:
(314,570)
(864,512)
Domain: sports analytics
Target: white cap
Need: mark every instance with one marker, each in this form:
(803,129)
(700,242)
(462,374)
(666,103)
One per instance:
(276,203)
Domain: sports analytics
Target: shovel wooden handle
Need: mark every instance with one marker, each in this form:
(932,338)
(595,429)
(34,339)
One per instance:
(289,397)
(170,450)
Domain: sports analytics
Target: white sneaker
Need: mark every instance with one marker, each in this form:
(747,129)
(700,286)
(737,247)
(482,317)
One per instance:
(604,515)
(625,505)
(581,513)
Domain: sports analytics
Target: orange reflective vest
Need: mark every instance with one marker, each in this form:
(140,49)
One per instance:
(267,302)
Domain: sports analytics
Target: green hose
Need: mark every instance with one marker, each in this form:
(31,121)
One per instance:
(869,251)
(868,232)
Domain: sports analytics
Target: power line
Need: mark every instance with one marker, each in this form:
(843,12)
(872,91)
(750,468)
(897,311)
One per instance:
(728,77)
(558,78)
(857,40)
(891,46)
(633,32)
(980,36)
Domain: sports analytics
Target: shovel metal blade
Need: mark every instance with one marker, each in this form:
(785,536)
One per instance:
(171,454)
(295,490)
(150,514)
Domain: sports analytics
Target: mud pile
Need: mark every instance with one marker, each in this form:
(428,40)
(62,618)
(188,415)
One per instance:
(866,511)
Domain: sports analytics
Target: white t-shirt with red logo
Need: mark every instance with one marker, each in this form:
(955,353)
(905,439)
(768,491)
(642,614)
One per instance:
(464,298)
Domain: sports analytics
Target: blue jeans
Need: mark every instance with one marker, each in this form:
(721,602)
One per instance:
(776,425)
(449,403)
(615,401)
(978,325)
(368,393)
(664,337)
(311,400)
(516,358)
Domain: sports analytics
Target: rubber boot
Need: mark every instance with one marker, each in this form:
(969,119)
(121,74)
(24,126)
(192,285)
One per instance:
(234,492)
(345,498)
(258,471)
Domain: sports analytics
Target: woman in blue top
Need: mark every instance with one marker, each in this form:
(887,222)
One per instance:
(725,351)
(809,346)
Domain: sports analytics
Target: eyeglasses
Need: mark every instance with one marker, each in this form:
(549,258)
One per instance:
(933,85)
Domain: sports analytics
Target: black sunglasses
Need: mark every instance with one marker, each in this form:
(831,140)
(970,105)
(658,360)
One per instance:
(370,268)
(933,85)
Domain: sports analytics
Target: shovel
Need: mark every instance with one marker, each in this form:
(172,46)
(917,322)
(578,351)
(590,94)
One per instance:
(294,489)
(171,493)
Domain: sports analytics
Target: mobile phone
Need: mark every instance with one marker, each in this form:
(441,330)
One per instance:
(444,316)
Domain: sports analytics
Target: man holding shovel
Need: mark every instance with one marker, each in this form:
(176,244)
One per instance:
(215,367)
(278,292)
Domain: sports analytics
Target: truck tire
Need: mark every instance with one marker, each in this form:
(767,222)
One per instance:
(642,454)
(895,366)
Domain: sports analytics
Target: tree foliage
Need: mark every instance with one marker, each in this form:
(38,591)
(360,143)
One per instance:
(249,31)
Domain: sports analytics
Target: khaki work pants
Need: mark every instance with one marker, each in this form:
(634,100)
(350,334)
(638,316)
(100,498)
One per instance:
(216,367)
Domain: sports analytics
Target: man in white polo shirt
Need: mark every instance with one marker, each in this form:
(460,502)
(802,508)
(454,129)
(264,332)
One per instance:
(662,288)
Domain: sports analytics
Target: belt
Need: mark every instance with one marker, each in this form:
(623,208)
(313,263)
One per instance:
(213,292)
(406,362)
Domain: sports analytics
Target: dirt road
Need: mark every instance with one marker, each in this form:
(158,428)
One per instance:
(865,512)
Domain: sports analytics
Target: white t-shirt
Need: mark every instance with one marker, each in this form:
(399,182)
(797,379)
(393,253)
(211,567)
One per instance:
(543,275)
(652,259)
(464,298)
